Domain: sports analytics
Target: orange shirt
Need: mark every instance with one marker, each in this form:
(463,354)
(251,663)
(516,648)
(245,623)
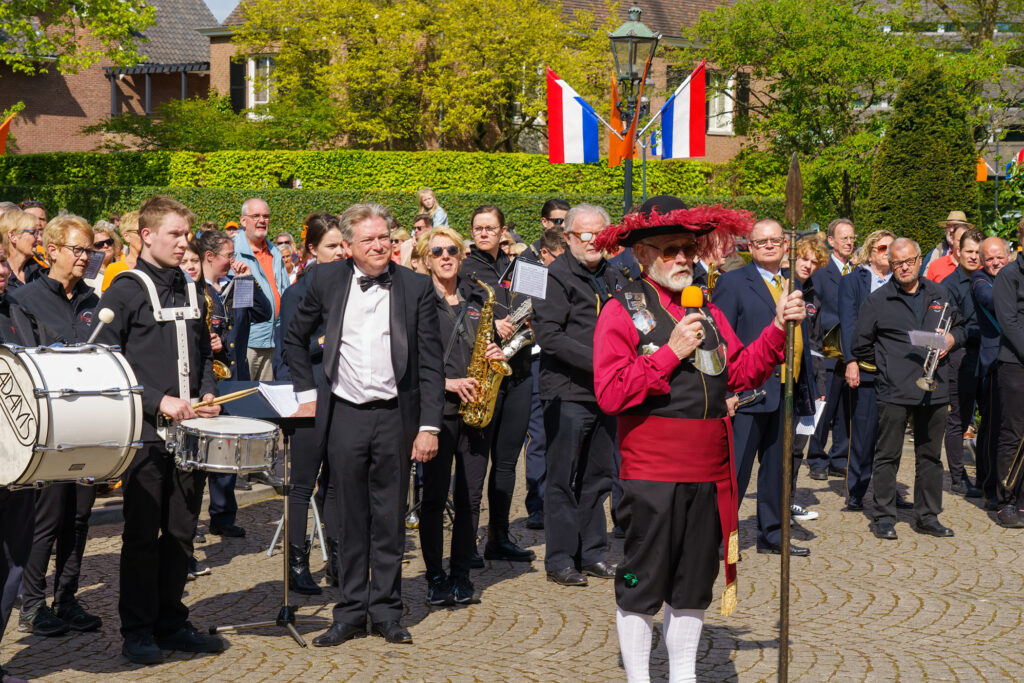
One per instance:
(939,268)
(112,270)
(266,261)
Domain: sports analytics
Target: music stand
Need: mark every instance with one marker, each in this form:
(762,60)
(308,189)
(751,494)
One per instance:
(256,406)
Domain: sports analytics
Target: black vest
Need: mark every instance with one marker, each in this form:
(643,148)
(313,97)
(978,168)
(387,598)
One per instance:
(692,394)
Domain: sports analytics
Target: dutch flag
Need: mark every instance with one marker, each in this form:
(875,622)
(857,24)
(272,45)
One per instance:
(572,125)
(683,119)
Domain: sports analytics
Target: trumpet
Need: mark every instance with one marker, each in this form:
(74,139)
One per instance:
(931,361)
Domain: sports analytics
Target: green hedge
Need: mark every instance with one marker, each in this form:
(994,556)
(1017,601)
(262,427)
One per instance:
(348,170)
(288,208)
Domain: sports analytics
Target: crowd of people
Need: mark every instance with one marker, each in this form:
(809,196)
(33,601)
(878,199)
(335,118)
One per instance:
(620,385)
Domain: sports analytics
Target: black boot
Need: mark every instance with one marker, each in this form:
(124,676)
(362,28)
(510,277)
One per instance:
(299,579)
(331,572)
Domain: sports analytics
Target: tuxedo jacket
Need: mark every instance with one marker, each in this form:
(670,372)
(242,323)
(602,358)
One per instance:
(416,347)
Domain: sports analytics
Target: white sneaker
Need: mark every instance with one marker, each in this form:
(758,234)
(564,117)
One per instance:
(801,514)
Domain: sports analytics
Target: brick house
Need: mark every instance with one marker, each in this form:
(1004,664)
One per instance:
(57,106)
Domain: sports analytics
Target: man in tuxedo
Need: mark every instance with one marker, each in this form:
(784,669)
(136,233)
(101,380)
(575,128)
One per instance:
(836,418)
(748,298)
(381,399)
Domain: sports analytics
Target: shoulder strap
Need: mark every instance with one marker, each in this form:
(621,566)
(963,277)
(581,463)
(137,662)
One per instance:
(455,333)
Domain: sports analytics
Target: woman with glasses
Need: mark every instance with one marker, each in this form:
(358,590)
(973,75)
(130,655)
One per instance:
(21,234)
(106,240)
(323,240)
(441,250)
(62,308)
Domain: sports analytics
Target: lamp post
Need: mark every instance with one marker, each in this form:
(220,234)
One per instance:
(632,45)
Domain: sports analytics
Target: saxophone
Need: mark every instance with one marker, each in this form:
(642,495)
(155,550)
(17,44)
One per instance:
(488,373)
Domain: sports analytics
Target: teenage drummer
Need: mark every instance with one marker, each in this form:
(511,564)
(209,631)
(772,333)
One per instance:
(62,307)
(161,503)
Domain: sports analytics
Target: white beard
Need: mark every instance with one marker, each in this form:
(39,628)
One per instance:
(675,283)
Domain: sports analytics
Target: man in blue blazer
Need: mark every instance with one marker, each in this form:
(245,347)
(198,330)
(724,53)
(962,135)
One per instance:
(747,296)
(836,418)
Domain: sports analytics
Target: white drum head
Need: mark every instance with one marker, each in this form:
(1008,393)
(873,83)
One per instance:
(228,424)
(21,424)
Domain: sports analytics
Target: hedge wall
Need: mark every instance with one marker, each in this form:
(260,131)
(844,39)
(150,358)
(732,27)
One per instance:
(288,208)
(348,170)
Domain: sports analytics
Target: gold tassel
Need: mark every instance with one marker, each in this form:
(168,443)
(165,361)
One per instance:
(733,556)
(729,599)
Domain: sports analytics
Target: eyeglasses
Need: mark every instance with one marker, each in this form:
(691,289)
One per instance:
(282,243)
(556,221)
(492,229)
(451,249)
(257,216)
(229,257)
(34,232)
(78,252)
(504,243)
(900,264)
(103,244)
(762,243)
(852,238)
(584,236)
(670,252)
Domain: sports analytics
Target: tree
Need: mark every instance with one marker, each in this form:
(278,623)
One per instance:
(926,163)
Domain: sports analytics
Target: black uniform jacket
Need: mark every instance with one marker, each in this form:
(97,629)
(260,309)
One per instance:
(480,266)
(58,320)
(415,343)
(458,337)
(564,325)
(150,347)
(1008,298)
(882,337)
(981,294)
(236,339)
(15,326)
(959,285)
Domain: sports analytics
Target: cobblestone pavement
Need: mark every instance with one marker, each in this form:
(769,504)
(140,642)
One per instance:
(918,609)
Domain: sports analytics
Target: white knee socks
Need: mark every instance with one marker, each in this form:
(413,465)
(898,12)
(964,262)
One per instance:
(682,635)
(635,632)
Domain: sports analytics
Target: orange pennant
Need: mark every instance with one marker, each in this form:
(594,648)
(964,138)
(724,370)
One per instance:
(5,127)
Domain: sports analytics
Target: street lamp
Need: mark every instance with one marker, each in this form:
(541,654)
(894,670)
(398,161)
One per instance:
(632,45)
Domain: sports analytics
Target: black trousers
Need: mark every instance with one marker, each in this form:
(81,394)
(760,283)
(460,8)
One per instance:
(307,466)
(223,506)
(581,465)
(987,443)
(835,418)
(863,439)
(1011,428)
(369,457)
(536,446)
(467,449)
(963,390)
(161,506)
(758,435)
(17,522)
(62,515)
(928,424)
(672,536)
(508,432)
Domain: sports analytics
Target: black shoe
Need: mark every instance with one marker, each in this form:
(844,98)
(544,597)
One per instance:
(507,550)
(242,484)
(196,569)
(339,633)
(535,520)
(43,622)
(991,505)
(966,489)
(599,570)
(618,532)
(1009,518)
(794,550)
(199,537)
(837,472)
(77,618)
(331,571)
(933,528)
(819,473)
(885,531)
(270,480)
(904,504)
(299,578)
(439,592)
(229,530)
(462,590)
(141,649)
(567,577)
(855,504)
(188,639)
(393,632)
(475,561)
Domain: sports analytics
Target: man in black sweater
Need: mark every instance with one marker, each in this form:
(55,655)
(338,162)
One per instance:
(1008,300)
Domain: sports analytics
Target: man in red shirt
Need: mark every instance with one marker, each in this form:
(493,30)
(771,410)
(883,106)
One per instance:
(678,479)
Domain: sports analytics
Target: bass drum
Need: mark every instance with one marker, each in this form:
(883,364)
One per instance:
(70,414)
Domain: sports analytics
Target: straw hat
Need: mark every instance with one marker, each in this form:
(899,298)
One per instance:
(956,218)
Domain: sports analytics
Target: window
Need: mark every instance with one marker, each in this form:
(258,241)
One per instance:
(721,90)
(260,77)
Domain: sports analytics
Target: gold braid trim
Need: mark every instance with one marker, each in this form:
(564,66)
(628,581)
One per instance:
(733,556)
(729,599)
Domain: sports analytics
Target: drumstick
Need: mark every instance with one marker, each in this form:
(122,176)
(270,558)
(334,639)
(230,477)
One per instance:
(226,397)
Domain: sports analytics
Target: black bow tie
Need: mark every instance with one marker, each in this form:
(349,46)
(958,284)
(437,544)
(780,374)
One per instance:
(383,280)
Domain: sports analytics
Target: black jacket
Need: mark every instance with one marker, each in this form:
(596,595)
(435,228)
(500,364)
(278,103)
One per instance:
(236,339)
(564,324)
(15,326)
(33,271)
(480,266)
(57,319)
(815,332)
(1008,300)
(290,301)
(882,337)
(981,293)
(959,285)
(150,347)
(457,342)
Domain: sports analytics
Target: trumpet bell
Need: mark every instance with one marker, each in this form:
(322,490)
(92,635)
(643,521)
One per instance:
(926,384)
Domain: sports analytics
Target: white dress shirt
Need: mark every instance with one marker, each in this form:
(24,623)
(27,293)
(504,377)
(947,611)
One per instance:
(365,372)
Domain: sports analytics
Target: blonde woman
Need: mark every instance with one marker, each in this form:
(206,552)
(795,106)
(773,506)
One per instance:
(429,205)
(21,235)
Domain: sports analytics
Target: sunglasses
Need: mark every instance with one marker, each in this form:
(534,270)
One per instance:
(556,221)
(283,243)
(103,244)
(451,249)
(30,204)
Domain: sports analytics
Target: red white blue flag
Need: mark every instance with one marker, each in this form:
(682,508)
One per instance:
(683,119)
(572,125)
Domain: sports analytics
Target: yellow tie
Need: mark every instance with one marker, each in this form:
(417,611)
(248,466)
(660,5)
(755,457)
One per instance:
(846,269)
(798,346)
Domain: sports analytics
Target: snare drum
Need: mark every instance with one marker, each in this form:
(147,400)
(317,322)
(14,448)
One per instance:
(224,444)
(70,414)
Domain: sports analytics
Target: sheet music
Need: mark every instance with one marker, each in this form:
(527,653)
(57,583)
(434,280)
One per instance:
(931,340)
(530,278)
(243,292)
(808,423)
(281,397)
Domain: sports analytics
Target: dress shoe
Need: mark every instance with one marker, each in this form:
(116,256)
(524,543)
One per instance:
(43,621)
(338,633)
(269,479)
(188,639)
(885,530)
(933,528)
(141,649)
(966,489)
(904,504)
(393,632)
(507,550)
(476,562)
(242,484)
(819,473)
(1009,517)
(229,530)
(855,504)
(599,570)
(536,520)
(567,576)
(77,618)
(794,550)
(299,578)
(837,472)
